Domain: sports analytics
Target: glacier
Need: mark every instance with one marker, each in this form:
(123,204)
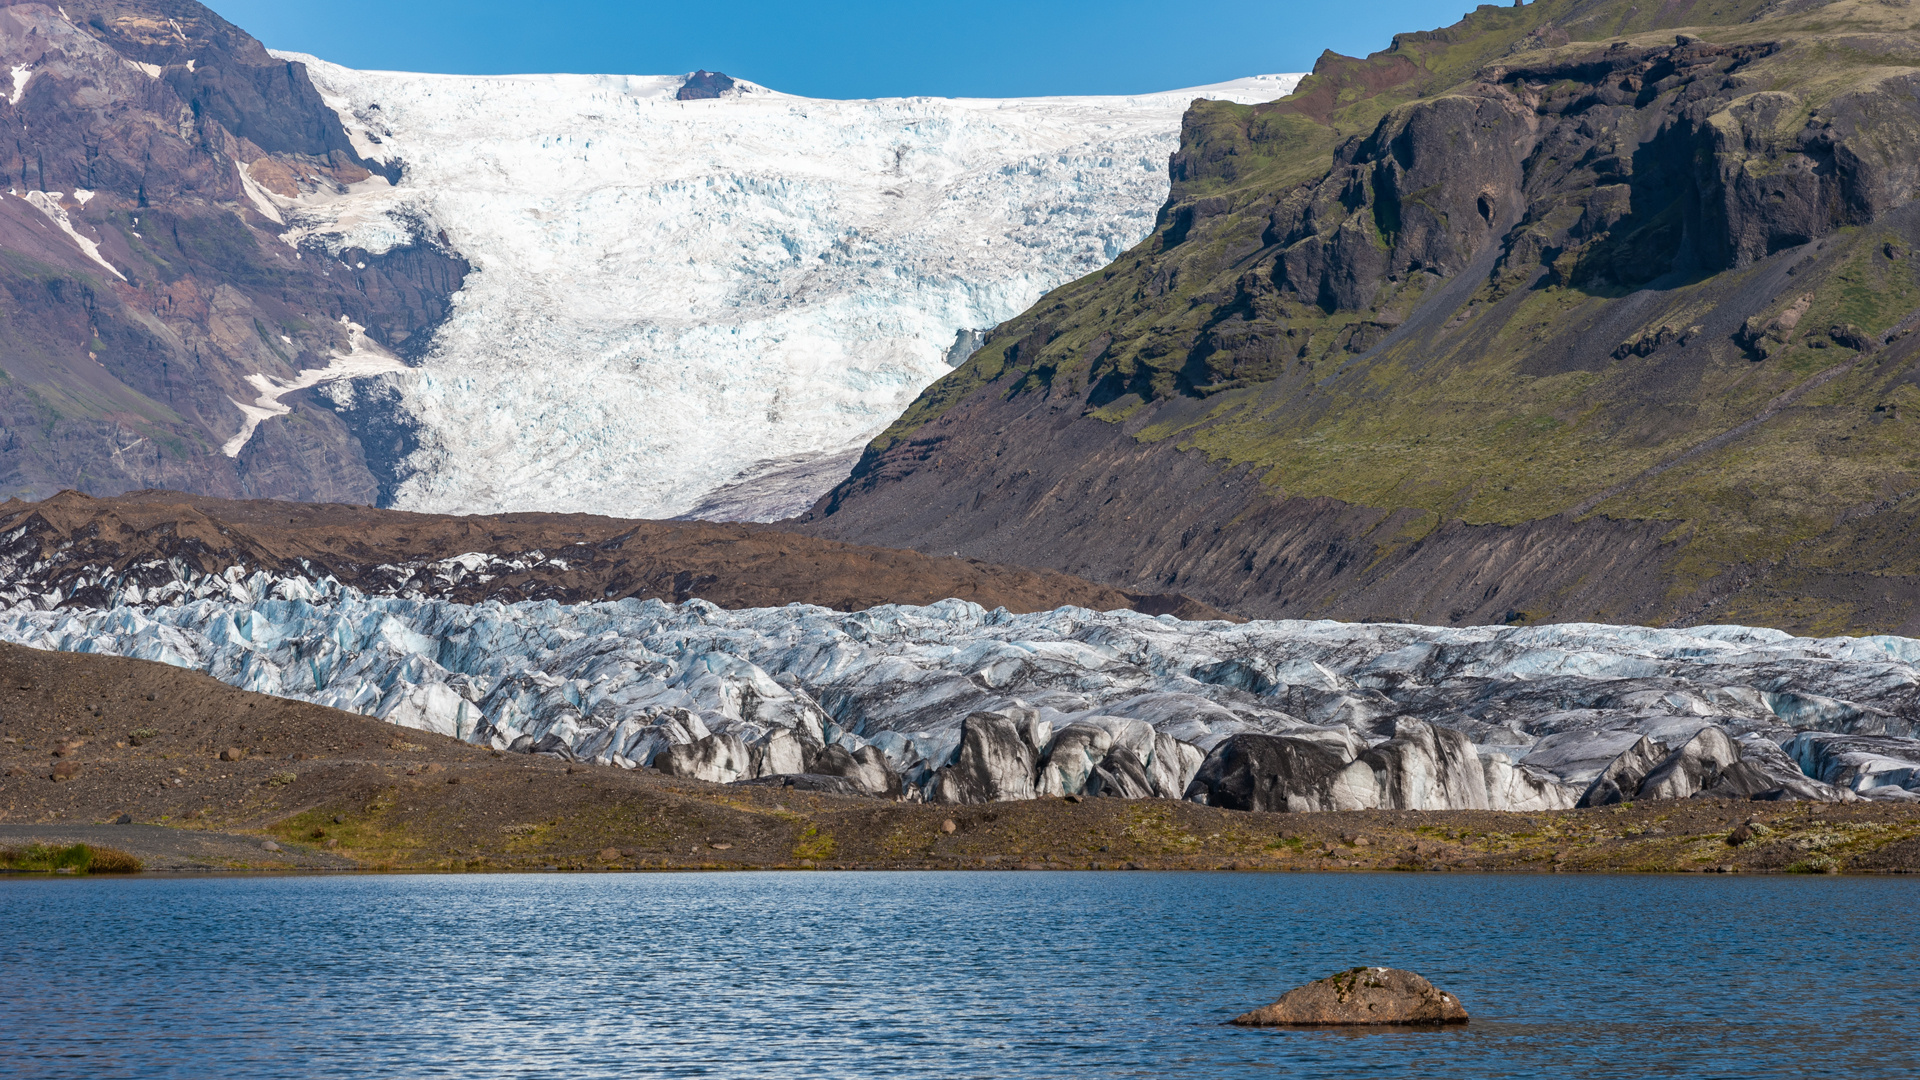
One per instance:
(670,297)
(913,698)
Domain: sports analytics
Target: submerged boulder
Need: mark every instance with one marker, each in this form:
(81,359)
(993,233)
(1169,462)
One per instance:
(1362,995)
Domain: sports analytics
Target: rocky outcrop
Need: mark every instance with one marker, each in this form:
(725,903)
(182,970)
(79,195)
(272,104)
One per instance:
(704,85)
(1278,403)
(169,326)
(1363,995)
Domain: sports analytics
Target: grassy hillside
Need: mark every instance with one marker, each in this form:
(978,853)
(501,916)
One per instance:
(1571,259)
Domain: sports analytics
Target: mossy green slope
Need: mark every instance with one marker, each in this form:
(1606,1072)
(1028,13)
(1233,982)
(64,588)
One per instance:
(1583,257)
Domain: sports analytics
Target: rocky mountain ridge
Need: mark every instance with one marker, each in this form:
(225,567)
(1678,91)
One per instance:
(1576,310)
(154,314)
(160,548)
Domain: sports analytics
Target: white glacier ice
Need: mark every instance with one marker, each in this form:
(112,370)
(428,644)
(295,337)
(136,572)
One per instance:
(668,297)
(1544,708)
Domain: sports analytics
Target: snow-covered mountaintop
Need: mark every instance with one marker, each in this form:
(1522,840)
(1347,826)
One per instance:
(670,296)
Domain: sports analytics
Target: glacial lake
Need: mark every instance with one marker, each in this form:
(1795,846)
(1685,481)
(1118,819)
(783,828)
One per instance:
(947,975)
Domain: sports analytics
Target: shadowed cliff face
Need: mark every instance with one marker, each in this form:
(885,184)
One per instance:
(1578,310)
(145,284)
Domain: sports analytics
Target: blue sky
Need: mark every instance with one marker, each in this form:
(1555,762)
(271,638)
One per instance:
(850,48)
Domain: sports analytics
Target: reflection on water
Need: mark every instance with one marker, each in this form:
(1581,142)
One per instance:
(946,974)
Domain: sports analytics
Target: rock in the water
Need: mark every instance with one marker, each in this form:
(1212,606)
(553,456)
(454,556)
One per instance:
(995,763)
(1282,773)
(1362,995)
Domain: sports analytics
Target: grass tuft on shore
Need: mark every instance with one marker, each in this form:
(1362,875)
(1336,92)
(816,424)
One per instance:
(73,859)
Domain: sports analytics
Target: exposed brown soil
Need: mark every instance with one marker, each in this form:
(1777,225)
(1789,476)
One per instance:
(572,557)
(331,788)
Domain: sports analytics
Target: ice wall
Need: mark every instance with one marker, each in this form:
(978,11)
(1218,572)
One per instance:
(622,682)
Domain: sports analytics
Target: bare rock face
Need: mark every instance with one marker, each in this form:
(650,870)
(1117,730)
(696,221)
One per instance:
(703,85)
(155,281)
(1362,995)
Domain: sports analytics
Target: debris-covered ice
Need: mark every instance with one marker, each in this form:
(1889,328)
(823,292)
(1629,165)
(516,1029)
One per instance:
(955,703)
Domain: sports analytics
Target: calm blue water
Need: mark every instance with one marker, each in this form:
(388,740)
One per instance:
(946,975)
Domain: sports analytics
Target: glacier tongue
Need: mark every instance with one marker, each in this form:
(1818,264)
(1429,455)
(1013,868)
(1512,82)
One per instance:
(1087,700)
(667,294)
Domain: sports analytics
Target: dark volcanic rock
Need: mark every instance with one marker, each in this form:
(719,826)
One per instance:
(1364,995)
(702,85)
(121,372)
